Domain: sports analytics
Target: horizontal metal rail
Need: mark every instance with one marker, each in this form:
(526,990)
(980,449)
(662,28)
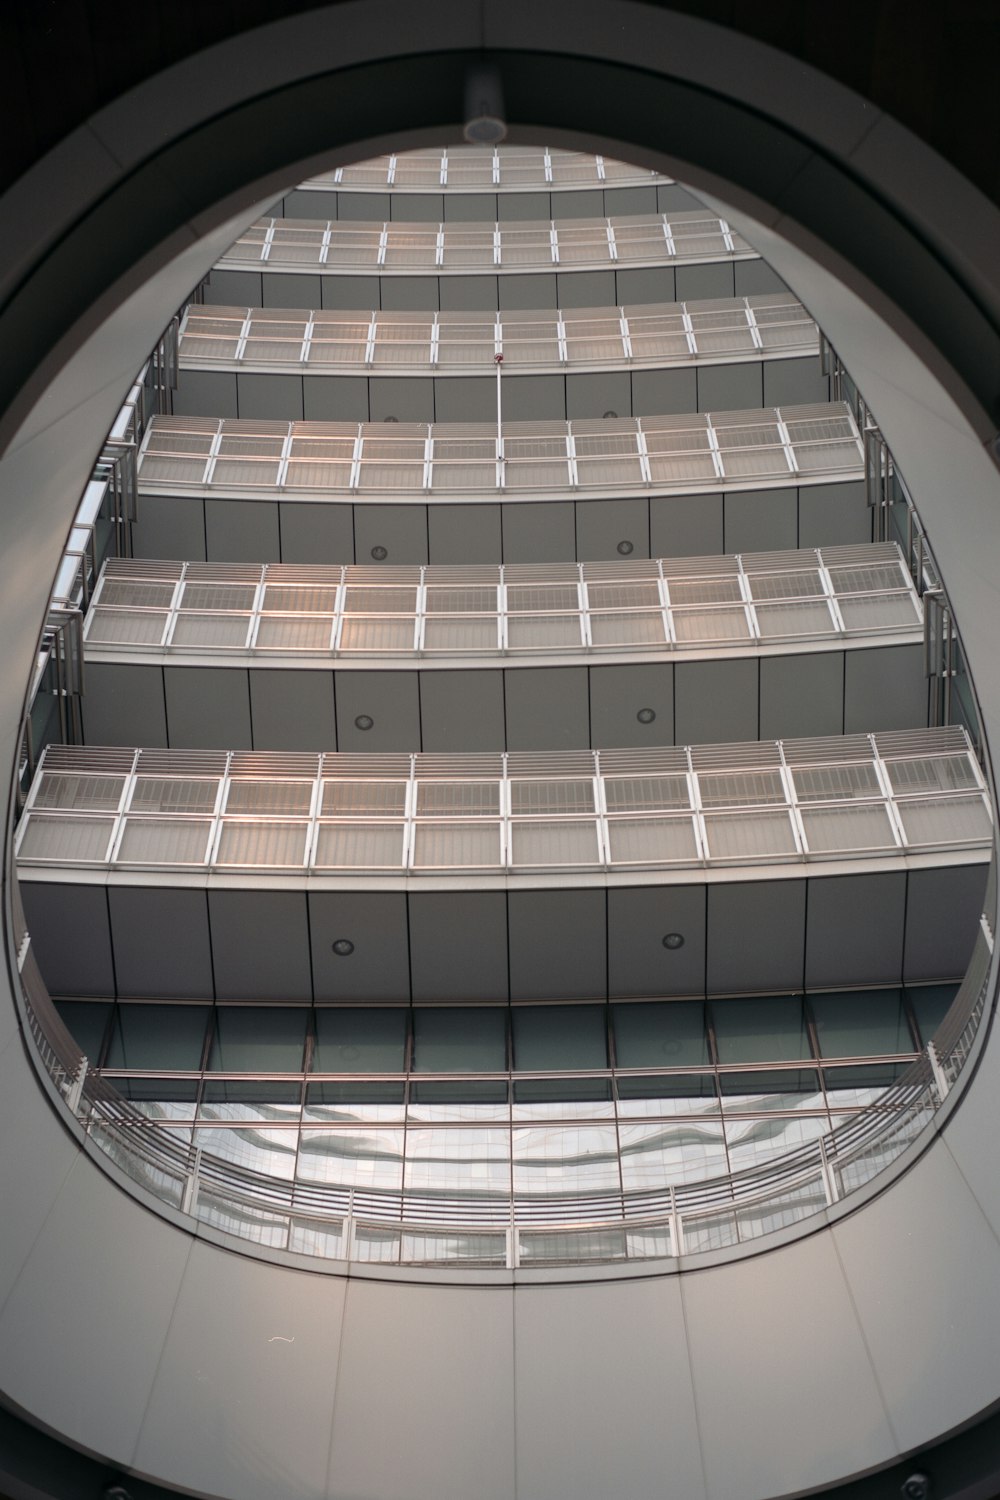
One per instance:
(477,169)
(492,1229)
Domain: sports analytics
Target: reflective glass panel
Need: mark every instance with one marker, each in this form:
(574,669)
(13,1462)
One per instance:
(778,1088)
(460,1039)
(352,1040)
(571,1159)
(331,1103)
(86,1021)
(158,1036)
(351,1157)
(656,1156)
(866,1023)
(851,1088)
(753,1141)
(768,1030)
(670,1035)
(669,1094)
(559,1036)
(930,1006)
(465,1162)
(258,1039)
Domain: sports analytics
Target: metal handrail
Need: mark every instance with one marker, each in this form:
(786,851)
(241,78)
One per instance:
(437,1228)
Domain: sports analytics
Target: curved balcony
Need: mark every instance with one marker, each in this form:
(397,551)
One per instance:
(478,169)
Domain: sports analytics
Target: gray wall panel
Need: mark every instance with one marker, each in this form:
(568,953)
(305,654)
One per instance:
(518,293)
(834,515)
(730,387)
(316,533)
(208,708)
(368,208)
(301,291)
(547,709)
(205,393)
(479,208)
(542,532)
(278,1367)
(260,945)
(671,197)
(589,1366)
(410,294)
(407,398)
(730,1329)
(664,392)
(335,398)
(31,1179)
(389,699)
(314,203)
(630,200)
(699,283)
(71,936)
(760,521)
(586,289)
(801,695)
(942,921)
(458,945)
(417,208)
(242,531)
(470,399)
(854,930)
(464,533)
(292,710)
(884,688)
(468,293)
(234,289)
(400,529)
(462,711)
(89,1211)
(124,705)
(383,1326)
(617,694)
(376,923)
(754,277)
(793,382)
(685,525)
(170,526)
(596,394)
(953,1243)
(756,936)
(638,921)
(641,284)
(354,293)
(715,701)
(579,205)
(269,396)
(601,525)
(558,947)
(524,205)
(161,942)
(533,398)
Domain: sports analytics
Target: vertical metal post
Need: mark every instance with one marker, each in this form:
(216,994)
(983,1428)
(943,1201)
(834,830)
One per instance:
(347,1231)
(826,1172)
(676,1225)
(189,1197)
(498,361)
(76,1089)
(937,1072)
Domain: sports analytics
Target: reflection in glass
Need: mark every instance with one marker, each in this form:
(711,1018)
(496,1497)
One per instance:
(567,1159)
(552,1097)
(754,1141)
(850,1088)
(670,1094)
(352,1158)
(656,1156)
(660,1035)
(334,1103)
(469,1163)
(771,1089)
(257,1148)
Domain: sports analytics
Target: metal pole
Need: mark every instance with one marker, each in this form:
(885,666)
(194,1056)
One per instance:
(498,361)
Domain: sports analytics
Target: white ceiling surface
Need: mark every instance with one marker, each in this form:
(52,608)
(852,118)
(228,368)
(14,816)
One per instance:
(315,1386)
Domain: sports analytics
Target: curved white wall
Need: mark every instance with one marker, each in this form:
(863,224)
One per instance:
(210,1370)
